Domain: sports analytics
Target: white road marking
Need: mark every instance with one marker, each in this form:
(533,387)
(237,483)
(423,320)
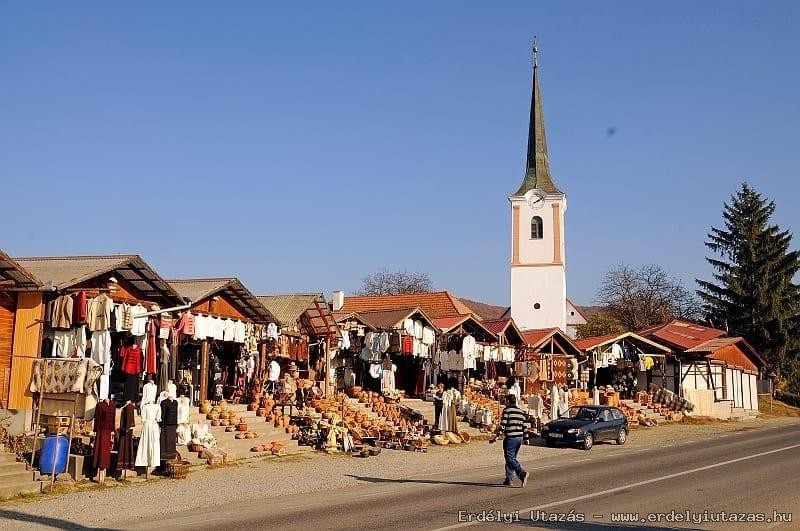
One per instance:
(195,522)
(632,485)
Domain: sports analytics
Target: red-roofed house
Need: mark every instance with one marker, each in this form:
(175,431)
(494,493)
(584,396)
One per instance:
(436,304)
(717,373)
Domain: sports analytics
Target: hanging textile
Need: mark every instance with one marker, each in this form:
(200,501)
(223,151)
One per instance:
(152,334)
(104,425)
(125,457)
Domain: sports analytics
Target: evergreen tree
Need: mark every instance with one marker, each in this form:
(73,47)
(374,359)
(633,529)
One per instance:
(753,293)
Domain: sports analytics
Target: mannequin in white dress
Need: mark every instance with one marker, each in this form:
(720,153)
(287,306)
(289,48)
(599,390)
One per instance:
(148,454)
(184,430)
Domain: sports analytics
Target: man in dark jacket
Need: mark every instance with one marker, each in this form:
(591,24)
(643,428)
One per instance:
(512,426)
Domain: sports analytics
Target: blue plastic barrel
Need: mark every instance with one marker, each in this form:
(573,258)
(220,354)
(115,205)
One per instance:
(54,454)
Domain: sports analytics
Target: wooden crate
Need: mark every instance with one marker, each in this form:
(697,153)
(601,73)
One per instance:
(58,425)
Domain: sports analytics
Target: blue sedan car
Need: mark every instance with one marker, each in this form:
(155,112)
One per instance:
(587,425)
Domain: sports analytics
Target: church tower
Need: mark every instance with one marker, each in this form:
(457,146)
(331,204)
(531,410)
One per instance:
(538,276)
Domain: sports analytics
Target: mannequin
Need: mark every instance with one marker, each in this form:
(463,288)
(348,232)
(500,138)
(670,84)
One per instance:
(104,426)
(169,425)
(172,389)
(183,431)
(251,368)
(131,356)
(125,440)
(149,392)
(149,452)
(200,434)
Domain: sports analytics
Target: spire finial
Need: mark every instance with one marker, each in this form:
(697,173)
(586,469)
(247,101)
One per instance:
(535,51)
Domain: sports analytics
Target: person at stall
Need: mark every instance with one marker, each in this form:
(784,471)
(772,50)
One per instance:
(512,425)
(438,402)
(301,395)
(273,375)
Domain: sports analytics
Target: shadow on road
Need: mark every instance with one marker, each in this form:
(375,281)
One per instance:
(55,523)
(426,481)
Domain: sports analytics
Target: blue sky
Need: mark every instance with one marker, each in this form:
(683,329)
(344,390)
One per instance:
(300,146)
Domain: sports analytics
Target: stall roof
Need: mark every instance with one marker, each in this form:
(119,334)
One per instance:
(14,277)
(539,337)
(198,289)
(437,304)
(308,309)
(62,272)
(507,327)
(343,317)
(470,325)
(591,343)
(682,334)
(383,319)
(716,345)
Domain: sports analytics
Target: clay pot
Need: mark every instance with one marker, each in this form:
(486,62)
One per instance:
(239,436)
(224,423)
(256,449)
(261,412)
(249,435)
(230,429)
(255,434)
(278,422)
(242,426)
(252,406)
(205,407)
(215,422)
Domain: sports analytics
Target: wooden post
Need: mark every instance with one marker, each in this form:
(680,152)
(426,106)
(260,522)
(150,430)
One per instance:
(38,413)
(72,426)
(203,371)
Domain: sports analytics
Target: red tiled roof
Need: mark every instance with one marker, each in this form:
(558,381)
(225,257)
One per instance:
(446,323)
(682,334)
(497,326)
(436,304)
(534,337)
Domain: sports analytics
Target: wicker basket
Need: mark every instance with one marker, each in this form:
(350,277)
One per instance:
(177,468)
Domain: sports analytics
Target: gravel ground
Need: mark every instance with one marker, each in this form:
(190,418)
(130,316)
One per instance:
(252,478)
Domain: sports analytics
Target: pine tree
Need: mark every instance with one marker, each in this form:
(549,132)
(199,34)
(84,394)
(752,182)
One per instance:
(753,293)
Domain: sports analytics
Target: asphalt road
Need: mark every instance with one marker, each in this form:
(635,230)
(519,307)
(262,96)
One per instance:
(749,473)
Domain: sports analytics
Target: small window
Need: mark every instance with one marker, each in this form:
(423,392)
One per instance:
(617,414)
(536,228)
(536,306)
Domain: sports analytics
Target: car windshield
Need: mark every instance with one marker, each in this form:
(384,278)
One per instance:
(584,413)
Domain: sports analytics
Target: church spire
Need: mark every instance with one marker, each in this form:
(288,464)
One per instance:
(537,168)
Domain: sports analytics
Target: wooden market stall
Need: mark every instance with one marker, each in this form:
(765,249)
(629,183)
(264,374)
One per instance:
(125,279)
(548,356)
(308,333)
(209,356)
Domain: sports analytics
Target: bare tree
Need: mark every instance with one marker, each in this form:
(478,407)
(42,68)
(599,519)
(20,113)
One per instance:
(385,282)
(646,296)
(600,324)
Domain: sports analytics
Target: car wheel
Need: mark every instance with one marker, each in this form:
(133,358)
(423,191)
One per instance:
(588,441)
(622,436)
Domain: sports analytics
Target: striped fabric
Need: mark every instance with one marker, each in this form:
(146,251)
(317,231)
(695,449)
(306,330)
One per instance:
(513,421)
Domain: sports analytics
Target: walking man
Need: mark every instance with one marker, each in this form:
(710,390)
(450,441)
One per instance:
(512,425)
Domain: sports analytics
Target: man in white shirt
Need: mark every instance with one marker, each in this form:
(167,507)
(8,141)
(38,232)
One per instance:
(273,376)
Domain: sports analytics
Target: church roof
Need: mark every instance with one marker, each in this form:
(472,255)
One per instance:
(537,167)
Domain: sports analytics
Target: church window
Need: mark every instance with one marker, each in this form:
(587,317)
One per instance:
(537,306)
(536,228)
